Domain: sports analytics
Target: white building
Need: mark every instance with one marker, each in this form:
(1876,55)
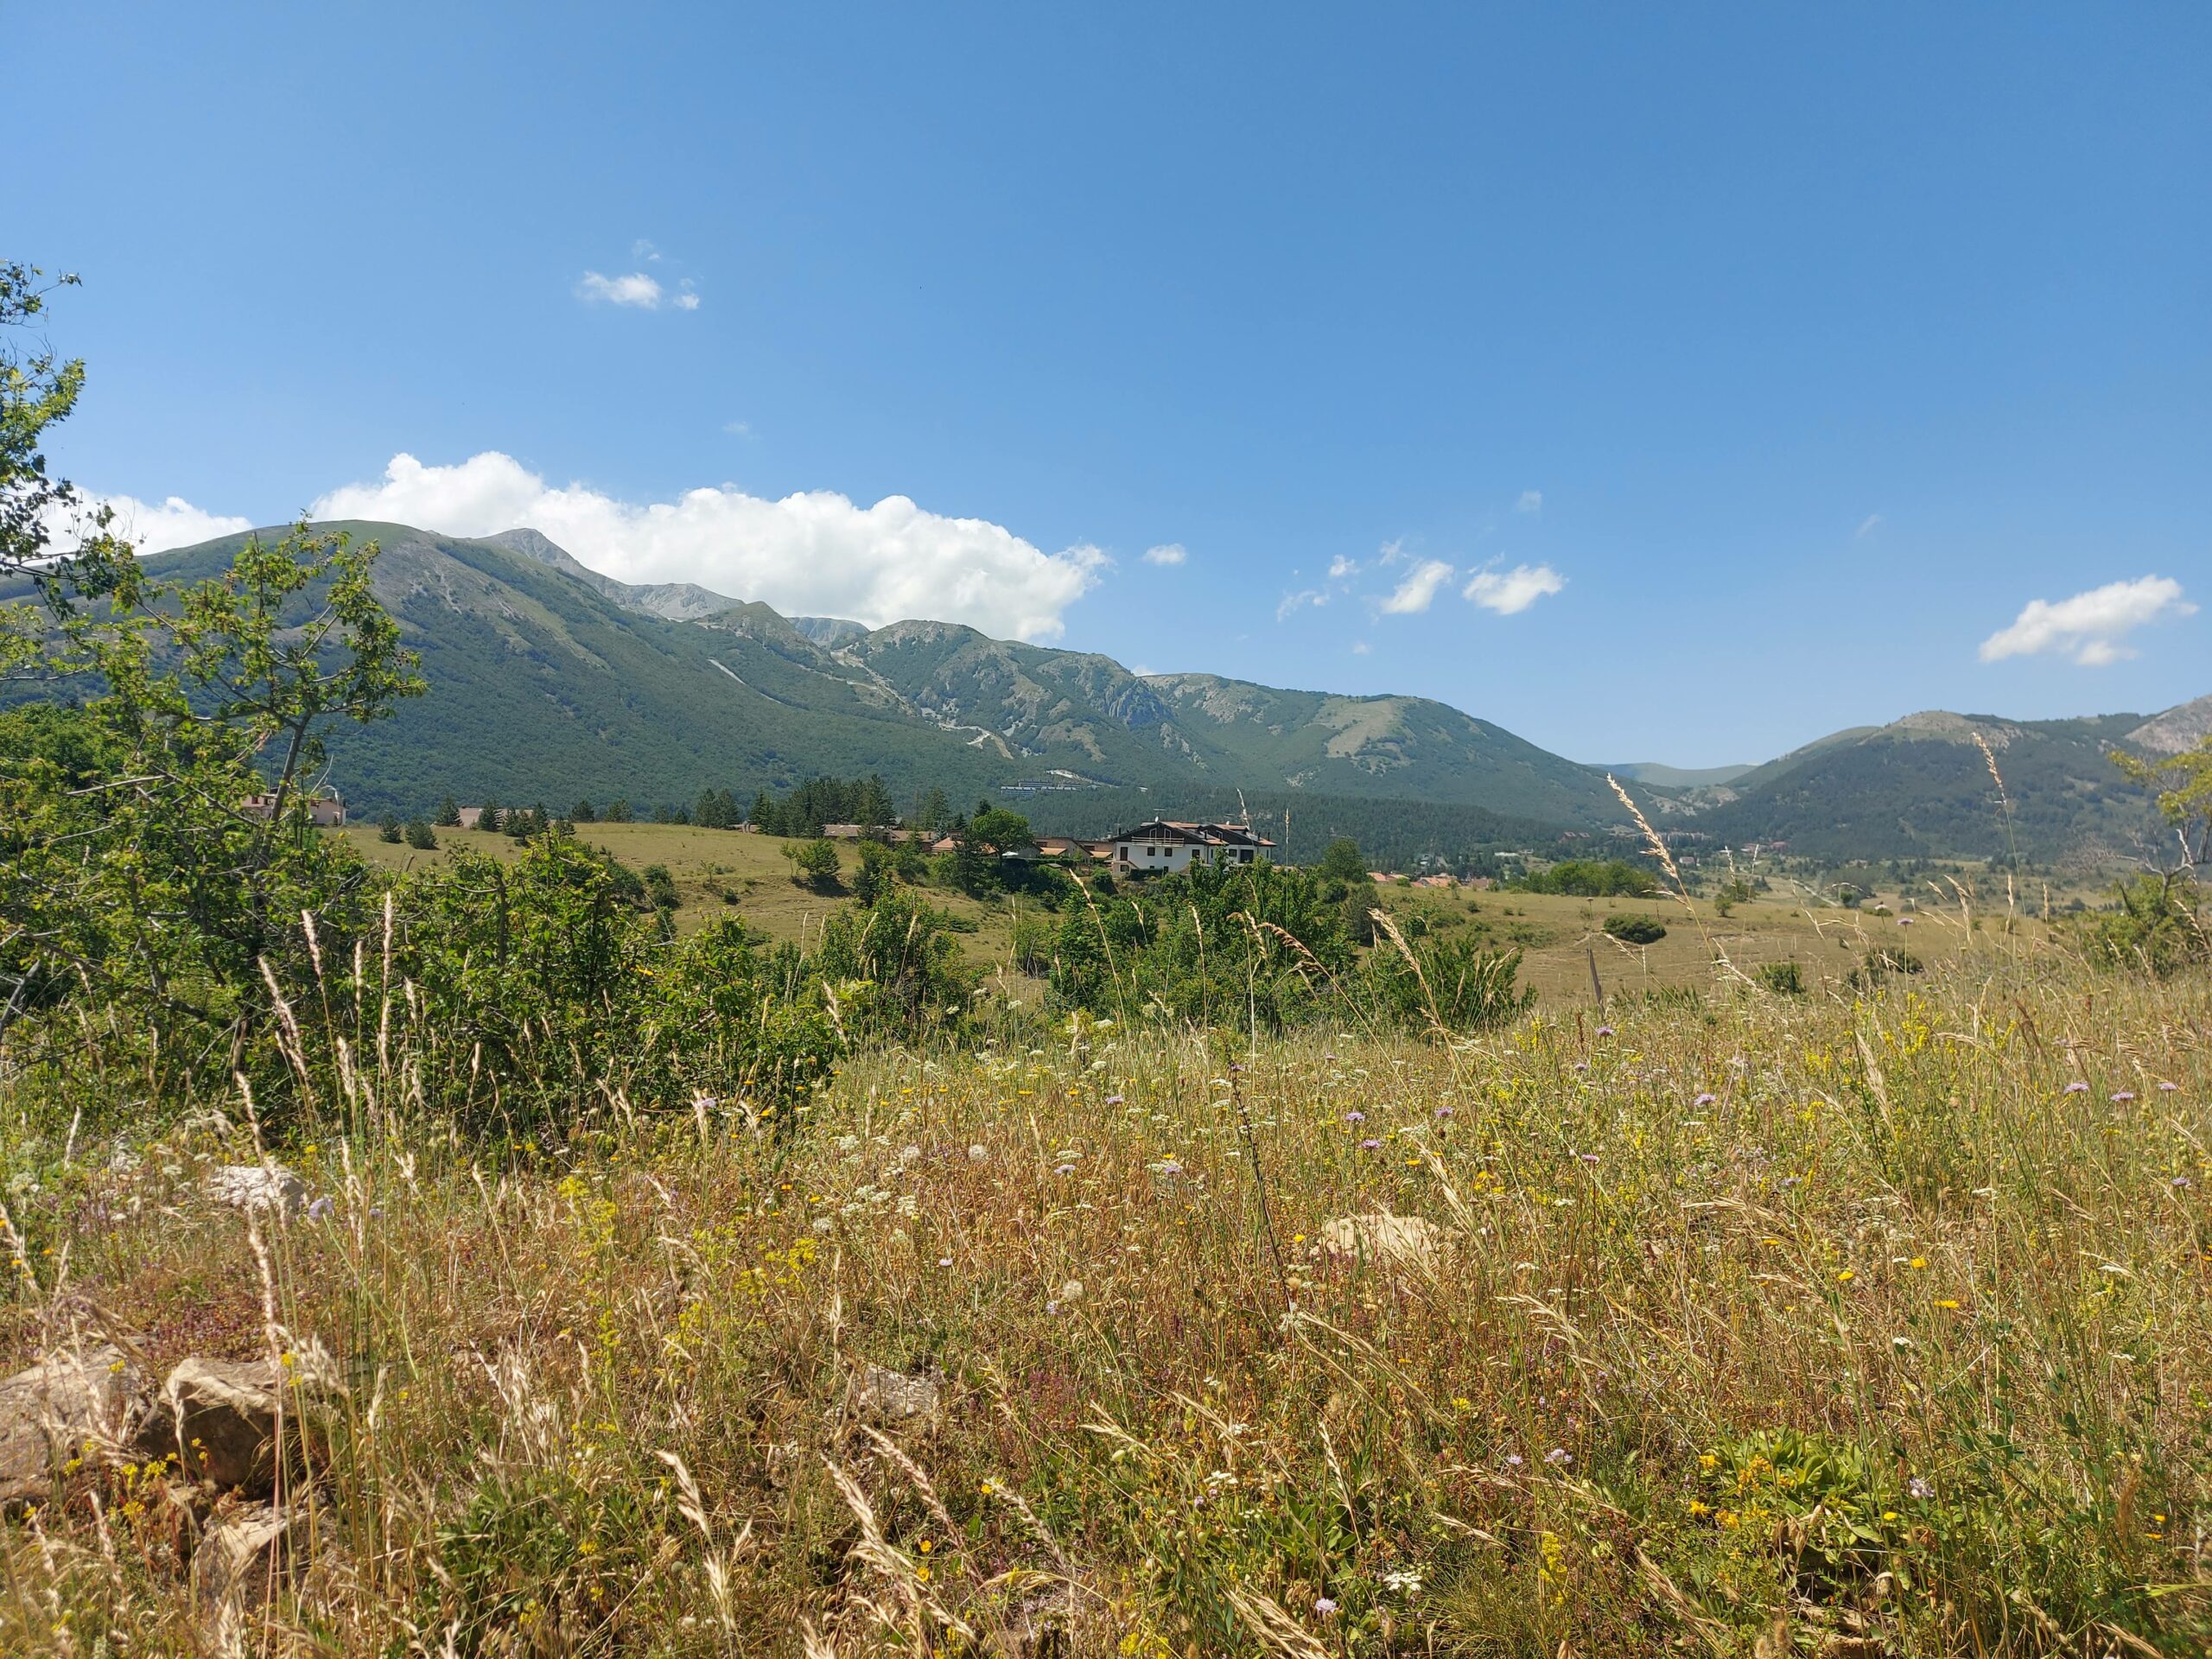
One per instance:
(1164,844)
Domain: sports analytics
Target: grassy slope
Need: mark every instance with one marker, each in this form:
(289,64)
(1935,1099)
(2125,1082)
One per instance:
(1886,1227)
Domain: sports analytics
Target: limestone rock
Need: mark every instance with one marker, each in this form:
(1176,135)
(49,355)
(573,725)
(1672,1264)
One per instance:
(72,1400)
(1402,1243)
(245,1556)
(218,1419)
(258,1186)
(888,1399)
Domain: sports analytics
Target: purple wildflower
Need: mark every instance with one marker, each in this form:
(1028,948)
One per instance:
(2120,1097)
(1919,1488)
(2168,1088)
(1604,1031)
(1559,1454)
(1371,1145)
(1443,1111)
(1113,1100)
(1513,1460)
(1064,1169)
(1355,1117)
(1703,1099)
(1323,1608)
(1582,1065)
(2183,1180)
(2077,1087)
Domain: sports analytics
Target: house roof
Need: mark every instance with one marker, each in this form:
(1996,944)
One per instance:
(1202,834)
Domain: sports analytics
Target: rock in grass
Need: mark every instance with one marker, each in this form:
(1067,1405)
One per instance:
(73,1401)
(888,1399)
(245,1556)
(218,1420)
(1402,1243)
(258,1186)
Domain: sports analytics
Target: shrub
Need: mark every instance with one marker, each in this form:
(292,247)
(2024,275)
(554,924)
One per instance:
(420,836)
(1635,930)
(1783,978)
(814,863)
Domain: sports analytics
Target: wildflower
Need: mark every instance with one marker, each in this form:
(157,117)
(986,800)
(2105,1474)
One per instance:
(2168,1088)
(1847,1275)
(1355,1117)
(1404,1580)
(1443,1111)
(1604,1031)
(2120,1097)
(1323,1608)
(1919,1488)
(1513,1460)
(1582,1065)
(977,1153)
(1559,1455)
(1947,1302)
(1064,1169)
(1371,1145)
(322,1208)
(1113,1100)
(1918,1262)
(1703,1099)
(1071,1291)
(944,1260)
(2077,1087)
(1707,1460)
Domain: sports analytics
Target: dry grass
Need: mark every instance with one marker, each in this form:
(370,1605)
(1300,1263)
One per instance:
(1847,1318)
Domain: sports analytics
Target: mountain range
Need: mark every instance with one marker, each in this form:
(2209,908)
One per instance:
(551,682)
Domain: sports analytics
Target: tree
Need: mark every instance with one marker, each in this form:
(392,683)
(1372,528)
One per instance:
(814,863)
(388,829)
(449,814)
(581,813)
(420,836)
(872,807)
(128,862)
(872,879)
(932,810)
(1343,861)
(617,809)
(764,816)
(488,815)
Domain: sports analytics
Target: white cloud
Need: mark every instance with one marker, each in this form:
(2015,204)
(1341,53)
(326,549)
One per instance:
(1166,553)
(1294,601)
(816,553)
(643,249)
(637,290)
(1359,647)
(1515,590)
(1869,524)
(1342,568)
(1390,552)
(1530,502)
(2091,628)
(151,527)
(1415,592)
(686,301)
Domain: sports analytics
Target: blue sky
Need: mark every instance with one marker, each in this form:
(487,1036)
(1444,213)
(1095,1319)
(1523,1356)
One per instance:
(1754,368)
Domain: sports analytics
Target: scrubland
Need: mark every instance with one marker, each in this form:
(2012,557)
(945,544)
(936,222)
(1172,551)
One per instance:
(1837,1324)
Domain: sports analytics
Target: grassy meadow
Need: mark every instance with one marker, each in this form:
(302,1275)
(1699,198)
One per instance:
(1723,1323)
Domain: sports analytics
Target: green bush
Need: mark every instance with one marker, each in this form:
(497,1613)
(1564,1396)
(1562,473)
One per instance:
(1612,877)
(814,863)
(1783,978)
(1635,930)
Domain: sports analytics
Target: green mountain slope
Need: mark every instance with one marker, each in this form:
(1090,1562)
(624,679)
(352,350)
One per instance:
(551,682)
(1922,786)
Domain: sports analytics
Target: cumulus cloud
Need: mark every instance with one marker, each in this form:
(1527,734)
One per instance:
(1530,502)
(637,290)
(1166,553)
(2091,627)
(1414,594)
(151,526)
(816,553)
(1342,568)
(1303,597)
(1511,592)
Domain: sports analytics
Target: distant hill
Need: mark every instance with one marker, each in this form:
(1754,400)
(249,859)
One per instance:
(1921,787)
(550,681)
